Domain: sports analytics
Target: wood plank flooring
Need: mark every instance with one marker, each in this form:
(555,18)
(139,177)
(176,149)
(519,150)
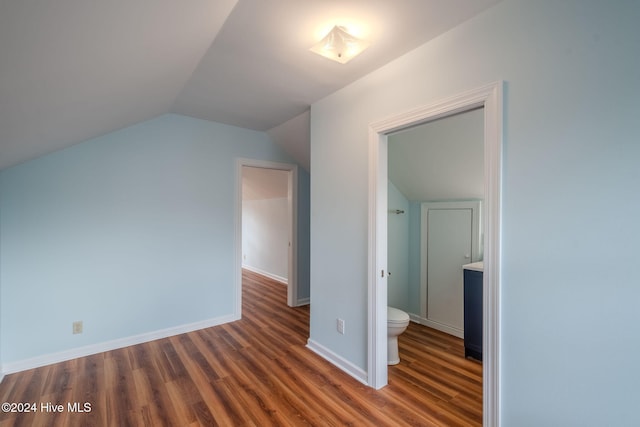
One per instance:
(253,372)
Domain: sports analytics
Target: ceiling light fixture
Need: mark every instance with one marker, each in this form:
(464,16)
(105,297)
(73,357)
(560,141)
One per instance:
(339,45)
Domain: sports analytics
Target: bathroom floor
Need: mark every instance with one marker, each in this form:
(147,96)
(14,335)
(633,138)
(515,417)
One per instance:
(433,369)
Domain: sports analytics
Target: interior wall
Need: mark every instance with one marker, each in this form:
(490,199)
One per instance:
(265,237)
(569,211)
(132,233)
(415,244)
(398,242)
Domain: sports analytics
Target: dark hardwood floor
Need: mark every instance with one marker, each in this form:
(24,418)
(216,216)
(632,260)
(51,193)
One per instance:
(253,372)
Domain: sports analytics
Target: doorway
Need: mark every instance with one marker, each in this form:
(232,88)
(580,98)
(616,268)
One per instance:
(488,97)
(291,172)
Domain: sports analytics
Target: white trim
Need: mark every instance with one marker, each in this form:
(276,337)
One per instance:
(271,276)
(292,282)
(292,198)
(338,361)
(303,301)
(48,359)
(437,326)
(377,247)
(490,97)
(492,317)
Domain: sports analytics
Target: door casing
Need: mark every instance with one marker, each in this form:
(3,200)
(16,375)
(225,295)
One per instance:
(292,285)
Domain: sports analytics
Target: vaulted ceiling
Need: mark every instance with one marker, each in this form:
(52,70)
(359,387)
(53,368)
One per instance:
(440,160)
(71,70)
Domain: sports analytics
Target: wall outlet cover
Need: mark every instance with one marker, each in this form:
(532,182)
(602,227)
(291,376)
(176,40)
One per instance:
(77,327)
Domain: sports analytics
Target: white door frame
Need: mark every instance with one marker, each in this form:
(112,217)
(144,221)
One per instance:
(490,98)
(292,279)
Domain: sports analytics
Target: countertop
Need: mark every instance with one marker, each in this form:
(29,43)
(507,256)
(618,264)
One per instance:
(477,266)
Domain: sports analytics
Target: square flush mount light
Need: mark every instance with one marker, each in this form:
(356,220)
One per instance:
(339,45)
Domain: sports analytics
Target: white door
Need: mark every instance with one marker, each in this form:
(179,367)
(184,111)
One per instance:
(451,237)
(448,249)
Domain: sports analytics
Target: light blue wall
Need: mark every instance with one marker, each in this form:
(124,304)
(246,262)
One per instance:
(415,238)
(570,209)
(398,249)
(132,232)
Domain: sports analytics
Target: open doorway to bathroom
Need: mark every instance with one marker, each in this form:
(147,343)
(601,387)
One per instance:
(489,98)
(435,193)
(436,189)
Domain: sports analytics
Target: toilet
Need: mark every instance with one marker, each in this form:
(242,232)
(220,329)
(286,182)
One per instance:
(397,322)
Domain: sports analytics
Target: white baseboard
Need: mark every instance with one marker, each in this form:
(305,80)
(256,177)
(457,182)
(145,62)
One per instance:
(456,332)
(74,353)
(303,301)
(267,274)
(338,361)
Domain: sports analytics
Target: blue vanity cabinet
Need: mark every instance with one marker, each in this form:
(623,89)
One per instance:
(473,310)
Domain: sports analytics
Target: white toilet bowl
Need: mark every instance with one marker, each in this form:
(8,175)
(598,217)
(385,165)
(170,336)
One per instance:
(397,322)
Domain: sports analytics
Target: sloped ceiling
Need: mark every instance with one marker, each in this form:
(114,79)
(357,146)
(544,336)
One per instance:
(440,160)
(71,70)
(75,69)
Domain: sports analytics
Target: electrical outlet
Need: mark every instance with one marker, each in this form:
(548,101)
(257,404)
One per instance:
(340,325)
(77,327)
